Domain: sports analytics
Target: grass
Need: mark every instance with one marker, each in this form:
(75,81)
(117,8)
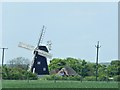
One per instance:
(0,84)
(57,84)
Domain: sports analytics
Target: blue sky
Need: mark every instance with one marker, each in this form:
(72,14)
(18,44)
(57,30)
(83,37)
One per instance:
(73,28)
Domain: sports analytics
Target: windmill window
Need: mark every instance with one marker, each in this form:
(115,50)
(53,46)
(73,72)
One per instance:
(38,62)
(44,69)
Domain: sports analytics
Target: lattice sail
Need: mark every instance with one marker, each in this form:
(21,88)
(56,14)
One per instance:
(41,36)
(26,46)
(43,53)
(49,44)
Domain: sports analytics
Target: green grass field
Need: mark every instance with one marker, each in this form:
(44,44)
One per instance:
(0,84)
(57,84)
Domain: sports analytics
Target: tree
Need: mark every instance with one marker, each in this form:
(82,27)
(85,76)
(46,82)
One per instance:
(56,63)
(15,73)
(90,69)
(103,72)
(87,69)
(114,68)
(19,62)
(84,68)
(74,63)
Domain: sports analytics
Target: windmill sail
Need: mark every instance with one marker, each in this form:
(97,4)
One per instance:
(45,54)
(49,44)
(41,36)
(26,46)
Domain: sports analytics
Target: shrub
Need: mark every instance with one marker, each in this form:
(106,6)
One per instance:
(102,78)
(31,76)
(77,77)
(52,77)
(117,78)
(90,78)
(56,77)
(17,74)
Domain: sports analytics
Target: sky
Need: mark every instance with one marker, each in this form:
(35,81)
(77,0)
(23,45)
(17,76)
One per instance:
(74,29)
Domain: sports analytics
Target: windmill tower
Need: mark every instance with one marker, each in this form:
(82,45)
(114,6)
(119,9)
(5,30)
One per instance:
(41,53)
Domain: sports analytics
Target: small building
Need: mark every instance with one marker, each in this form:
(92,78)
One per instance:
(65,71)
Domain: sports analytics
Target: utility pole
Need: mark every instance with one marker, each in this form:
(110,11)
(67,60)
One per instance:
(97,46)
(3,50)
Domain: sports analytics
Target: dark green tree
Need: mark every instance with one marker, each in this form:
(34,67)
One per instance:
(56,63)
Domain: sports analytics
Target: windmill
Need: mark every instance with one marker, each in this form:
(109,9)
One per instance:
(41,53)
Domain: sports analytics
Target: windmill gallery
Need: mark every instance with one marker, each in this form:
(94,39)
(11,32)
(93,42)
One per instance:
(41,53)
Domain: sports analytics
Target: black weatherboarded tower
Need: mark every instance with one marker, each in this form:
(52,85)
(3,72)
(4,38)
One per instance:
(40,62)
(41,53)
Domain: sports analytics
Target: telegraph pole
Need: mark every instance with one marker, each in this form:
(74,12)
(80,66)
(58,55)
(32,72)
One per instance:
(3,50)
(97,46)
